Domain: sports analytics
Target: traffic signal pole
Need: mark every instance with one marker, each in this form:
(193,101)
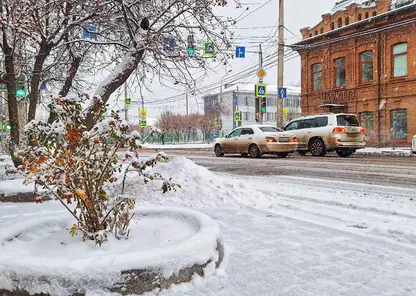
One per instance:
(258,101)
(126,110)
(280,63)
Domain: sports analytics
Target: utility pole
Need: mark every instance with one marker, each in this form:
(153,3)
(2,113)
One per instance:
(258,101)
(126,110)
(187,102)
(280,63)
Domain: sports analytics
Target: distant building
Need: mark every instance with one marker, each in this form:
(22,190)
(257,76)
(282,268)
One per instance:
(241,97)
(361,59)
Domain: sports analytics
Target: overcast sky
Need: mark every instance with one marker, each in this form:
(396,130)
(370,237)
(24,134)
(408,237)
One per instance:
(298,14)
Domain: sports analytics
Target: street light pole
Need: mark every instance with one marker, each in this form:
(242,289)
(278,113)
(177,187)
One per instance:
(280,63)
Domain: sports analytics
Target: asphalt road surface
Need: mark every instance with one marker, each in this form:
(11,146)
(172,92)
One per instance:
(399,171)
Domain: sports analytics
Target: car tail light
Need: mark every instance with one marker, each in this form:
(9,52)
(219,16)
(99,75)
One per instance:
(270,140)
(294,140)
(362,131)
(338,130)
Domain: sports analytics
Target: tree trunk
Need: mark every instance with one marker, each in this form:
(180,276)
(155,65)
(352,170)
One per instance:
(12,105)
(113,81)
(36,79)
(75,64)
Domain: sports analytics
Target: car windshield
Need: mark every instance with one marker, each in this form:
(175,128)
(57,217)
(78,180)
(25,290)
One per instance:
(270,129)
(347,120)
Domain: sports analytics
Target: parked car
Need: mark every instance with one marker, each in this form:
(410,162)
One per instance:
(414,144)
(322,133)
(256,140)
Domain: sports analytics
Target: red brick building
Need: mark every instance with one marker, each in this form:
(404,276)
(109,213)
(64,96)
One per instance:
(361,58)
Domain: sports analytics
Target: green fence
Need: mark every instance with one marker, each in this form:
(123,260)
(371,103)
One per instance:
(178,138)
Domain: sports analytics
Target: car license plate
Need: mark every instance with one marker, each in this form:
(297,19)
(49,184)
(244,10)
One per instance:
(284,139)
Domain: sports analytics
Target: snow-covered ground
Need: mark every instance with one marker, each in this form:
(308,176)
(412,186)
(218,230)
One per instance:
(177,146)
(286,235)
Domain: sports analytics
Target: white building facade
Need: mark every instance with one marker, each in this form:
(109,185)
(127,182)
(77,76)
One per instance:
(242,98)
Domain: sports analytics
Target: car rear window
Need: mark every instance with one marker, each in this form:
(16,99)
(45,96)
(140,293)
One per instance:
(270,129)
(347,120)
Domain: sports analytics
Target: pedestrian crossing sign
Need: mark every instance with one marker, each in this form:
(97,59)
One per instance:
(143,123)
(261,90)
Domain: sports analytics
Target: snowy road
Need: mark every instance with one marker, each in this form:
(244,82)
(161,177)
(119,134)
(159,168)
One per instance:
(297,226)
(377,170)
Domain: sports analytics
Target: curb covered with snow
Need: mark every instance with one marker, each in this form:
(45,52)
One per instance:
(39,256)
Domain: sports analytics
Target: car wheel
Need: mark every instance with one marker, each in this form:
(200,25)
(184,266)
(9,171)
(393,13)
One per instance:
(254,151)
(218,151)
(317,147)
(346,152)
(302,152)
(282,154)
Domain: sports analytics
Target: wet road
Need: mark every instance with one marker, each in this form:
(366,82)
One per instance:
(368,169)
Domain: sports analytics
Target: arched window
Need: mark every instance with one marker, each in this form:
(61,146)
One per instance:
(332,26)
(366,15)
(347,21)
(339,22)
(374,13)
(322,30)
(310,35)
(360,17)
(316,32)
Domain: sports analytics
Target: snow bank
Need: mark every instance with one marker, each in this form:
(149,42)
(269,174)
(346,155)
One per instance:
(177,146)
(387,151)
(14,187)
(40,256)
(200,188)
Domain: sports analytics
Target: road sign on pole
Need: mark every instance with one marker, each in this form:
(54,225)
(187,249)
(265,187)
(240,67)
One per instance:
(128,102)
(285,113)
(143,123)
(143,113)
(240,52)
(261,73)
(3,87)
(237,116)
(261,90)
(209,49)
(282,92)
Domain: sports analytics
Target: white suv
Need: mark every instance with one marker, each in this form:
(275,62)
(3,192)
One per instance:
(327,132)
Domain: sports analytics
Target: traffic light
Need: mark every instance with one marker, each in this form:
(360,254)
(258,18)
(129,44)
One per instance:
(257,117)
(8,127)
(191,49)
(21,85)
(263,105)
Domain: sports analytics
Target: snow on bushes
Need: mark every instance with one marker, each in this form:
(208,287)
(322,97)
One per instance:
(78,166)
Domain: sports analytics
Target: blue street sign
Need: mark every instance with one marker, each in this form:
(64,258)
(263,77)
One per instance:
(261,90)
(169,44)
(87,32)
(240,52)
(282,92)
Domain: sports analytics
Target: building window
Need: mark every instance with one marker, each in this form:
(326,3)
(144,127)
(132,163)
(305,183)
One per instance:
(322,30)
(317,76)
(360,17)
(400,60)
(367,122)
(366,15)
(310,35)
(374,13)
(399,124)
(339,22)
(347,21)
(340,72)
(316,32)
(332,25)
(366,59)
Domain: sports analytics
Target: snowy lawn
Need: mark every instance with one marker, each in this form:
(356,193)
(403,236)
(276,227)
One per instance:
(285,235)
